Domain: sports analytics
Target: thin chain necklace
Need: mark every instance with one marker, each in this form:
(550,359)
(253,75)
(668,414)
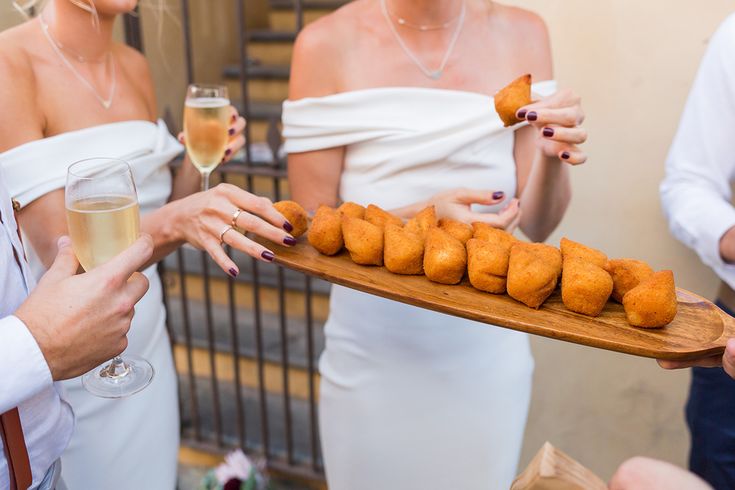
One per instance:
(433,74)
(58,47)
(421,27)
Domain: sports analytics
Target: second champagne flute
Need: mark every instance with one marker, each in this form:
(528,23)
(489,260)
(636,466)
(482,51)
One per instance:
(102,213)
(206,122)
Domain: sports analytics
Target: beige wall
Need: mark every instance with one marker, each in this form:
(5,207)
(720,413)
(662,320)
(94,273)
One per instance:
(632,62)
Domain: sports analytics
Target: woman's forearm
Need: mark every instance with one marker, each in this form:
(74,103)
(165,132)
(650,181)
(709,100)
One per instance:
(186,181)
(545,198)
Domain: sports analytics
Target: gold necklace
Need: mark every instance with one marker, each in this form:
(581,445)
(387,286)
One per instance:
(58,47)
(421,27)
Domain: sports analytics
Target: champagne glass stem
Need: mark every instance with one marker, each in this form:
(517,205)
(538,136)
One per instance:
(116,369)
(205,181)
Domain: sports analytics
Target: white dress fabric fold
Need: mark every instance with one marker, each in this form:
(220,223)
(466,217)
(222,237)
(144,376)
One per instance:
(132,442)
(413,399)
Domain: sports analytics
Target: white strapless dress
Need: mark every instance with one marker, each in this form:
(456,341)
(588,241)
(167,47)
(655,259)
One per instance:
(412,399)
(130,443)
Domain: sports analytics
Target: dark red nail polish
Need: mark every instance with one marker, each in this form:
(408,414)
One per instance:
(233,272)
(227,152)
(290,241)
(498,195)
(548,132)
(231,131)
(268,255)
(522,114)
(234,117)
(288,227)
(565,155)
(532,116)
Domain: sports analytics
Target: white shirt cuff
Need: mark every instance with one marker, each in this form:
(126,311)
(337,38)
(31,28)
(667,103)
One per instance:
(23,368)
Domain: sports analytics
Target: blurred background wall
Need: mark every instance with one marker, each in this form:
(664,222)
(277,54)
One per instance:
(633,63)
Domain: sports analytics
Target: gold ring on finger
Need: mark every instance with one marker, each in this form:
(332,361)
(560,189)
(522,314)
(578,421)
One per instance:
(222,235)
(235,215)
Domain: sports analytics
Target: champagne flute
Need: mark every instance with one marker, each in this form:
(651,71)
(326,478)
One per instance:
(103,218)
(206,122)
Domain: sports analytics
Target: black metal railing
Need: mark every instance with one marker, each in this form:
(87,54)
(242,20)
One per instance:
(238,342)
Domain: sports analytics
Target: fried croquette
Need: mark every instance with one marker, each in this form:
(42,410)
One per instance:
(652,303)
(379,217)
(445,258)
(488,233)
(533,272)
(511,98)
(585,287)
(487,265)
(294,214)
(363,240)
(423,221)
(404,250)
(626,274)
(352,209)
(571,249)
(325,233)
(460,231)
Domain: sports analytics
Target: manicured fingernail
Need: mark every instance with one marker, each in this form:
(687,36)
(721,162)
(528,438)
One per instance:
(548,132)
(498,195)
(231,131)
(565,155)
(288,227)
(532,116)
(519,204)
(268,255)
(233,272)
(234,117)
(290,241)
(522,114)
(227,152)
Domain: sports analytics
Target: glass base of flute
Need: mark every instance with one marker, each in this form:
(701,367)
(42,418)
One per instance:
(119,378)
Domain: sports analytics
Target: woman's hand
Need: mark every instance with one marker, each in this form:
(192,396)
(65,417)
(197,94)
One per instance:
(236,133)
(456,204)
(558,120)
(726,361)
(205,220)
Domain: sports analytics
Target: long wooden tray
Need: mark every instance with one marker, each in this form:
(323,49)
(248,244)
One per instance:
(700,328)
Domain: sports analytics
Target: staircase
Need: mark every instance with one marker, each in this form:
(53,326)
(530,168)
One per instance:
(231,396)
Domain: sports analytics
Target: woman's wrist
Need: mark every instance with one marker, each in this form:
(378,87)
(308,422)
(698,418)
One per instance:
(170,226)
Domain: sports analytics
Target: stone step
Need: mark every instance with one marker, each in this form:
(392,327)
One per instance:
(267,85)
(282,15)
(276,51)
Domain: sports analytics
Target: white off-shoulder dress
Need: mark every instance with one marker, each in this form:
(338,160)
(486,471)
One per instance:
(412,399)
(131,443)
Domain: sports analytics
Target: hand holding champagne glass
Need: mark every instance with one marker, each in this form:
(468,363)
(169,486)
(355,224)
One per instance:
(206,122)
(103,218)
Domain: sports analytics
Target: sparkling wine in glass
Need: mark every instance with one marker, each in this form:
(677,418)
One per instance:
(206,122)
(103,218)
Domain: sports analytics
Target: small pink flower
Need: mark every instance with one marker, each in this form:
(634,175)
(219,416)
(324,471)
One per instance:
(236,466)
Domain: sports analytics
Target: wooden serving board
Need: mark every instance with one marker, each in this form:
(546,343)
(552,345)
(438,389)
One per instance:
(699,329)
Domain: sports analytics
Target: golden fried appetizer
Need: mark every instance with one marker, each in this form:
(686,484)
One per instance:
(379,217)
(570,249)
(488,233)
(445,258)
(294,214)
(363,240)
(325,233)
(511,98)
(487,265)
(533,272)
(652,303)
(626,274)
(585,287)
(404,250)
(352,209)
(423,221)
(460,231)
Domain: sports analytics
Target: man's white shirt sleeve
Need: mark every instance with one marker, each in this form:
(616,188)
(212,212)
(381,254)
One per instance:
(23,369)
(696,192)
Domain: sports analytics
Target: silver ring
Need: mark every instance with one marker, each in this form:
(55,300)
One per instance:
(222,235)
(235,215)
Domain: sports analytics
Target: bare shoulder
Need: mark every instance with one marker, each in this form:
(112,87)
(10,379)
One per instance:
(21,119)
(528,34)
(138,71)
(320,49)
